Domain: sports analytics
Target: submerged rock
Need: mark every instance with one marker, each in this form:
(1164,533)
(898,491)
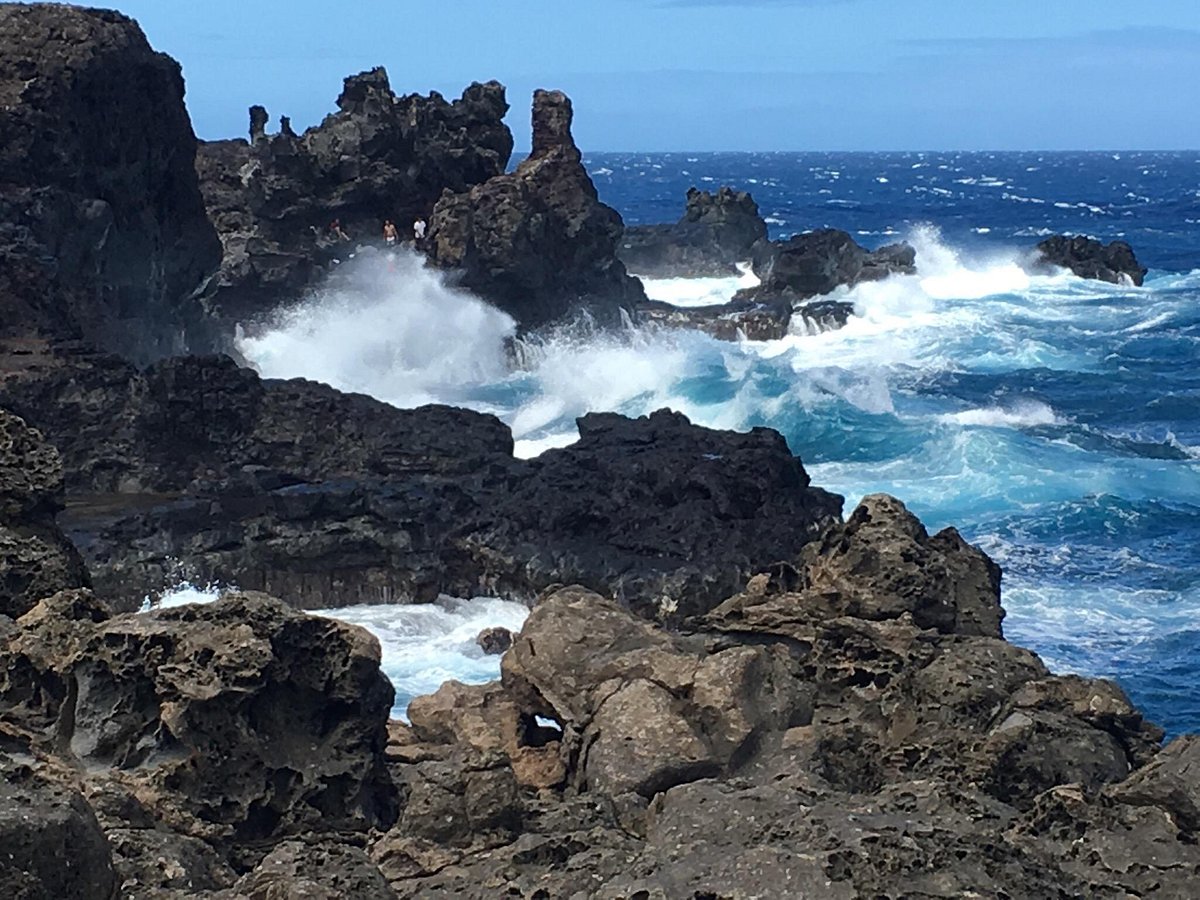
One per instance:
(537,242)
(103,234)
(1089,258)
(716,232)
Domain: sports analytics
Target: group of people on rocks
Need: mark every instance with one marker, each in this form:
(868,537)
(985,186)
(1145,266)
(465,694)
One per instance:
(391,235)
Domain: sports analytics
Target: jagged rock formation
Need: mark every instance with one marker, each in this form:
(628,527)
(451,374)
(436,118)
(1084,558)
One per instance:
(201,737)
(537,243)
(379,157)
(196,468)
(818,262)
(1089,258)
(36,559)
(791,273)
(103,234)
(851,725)
(716,232)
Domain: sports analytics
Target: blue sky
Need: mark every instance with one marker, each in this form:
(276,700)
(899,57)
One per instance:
(719,74)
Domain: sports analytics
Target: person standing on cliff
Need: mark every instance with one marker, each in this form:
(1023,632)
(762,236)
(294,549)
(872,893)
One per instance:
(419,230)
(389,233)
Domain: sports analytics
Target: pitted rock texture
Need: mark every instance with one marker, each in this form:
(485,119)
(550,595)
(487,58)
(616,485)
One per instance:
(235,722)
(36,559)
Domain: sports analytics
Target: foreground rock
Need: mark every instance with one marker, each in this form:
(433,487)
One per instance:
(851,725)
(201,737)
(103,234)
(379,157)
(716,232)
(198,469)
(1089,258)
(537,243)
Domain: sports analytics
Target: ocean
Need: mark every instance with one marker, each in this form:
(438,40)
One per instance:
(1054,421)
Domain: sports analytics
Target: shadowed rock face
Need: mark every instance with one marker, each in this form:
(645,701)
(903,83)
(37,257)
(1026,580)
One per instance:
(716,232)
(1089,258)
(537,243)
(379,157)
(36,559)
(103,234)
(815,263)
(196,468)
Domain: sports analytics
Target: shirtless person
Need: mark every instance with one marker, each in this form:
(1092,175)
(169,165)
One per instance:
(389,233)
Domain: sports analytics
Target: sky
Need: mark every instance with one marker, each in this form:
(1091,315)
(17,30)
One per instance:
(701,75)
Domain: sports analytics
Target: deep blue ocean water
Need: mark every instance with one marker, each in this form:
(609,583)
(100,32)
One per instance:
(1057,425)
(1054,421)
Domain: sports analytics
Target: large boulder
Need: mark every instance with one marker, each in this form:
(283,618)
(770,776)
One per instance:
(1087,257)
(716,232)
(53,847)
(656,511)
(36,559)
(103,233)
(233,722)
(537,242)
(379,157)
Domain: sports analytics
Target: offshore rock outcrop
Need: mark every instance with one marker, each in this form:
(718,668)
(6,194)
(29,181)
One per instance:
(792,273)
(537,242)
(379,157)
(196,468)
(103,233)
(716,232)
(1114,262)
(818,262)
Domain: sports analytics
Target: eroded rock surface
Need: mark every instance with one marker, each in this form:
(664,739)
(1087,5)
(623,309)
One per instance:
(851,725)
(36,558)
(537,242)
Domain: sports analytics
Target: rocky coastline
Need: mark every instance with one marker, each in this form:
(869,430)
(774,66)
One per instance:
(725,688)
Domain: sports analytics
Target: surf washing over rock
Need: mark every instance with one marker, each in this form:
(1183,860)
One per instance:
(940,389)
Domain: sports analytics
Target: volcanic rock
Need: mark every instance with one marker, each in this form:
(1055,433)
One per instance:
(236,721)
(494,641)
(750,319)
(379,157)
(537,242)
(1089,258)
(36,559)
(53,845)
(716,232)
(808,265)
(198,469)
(103,234)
